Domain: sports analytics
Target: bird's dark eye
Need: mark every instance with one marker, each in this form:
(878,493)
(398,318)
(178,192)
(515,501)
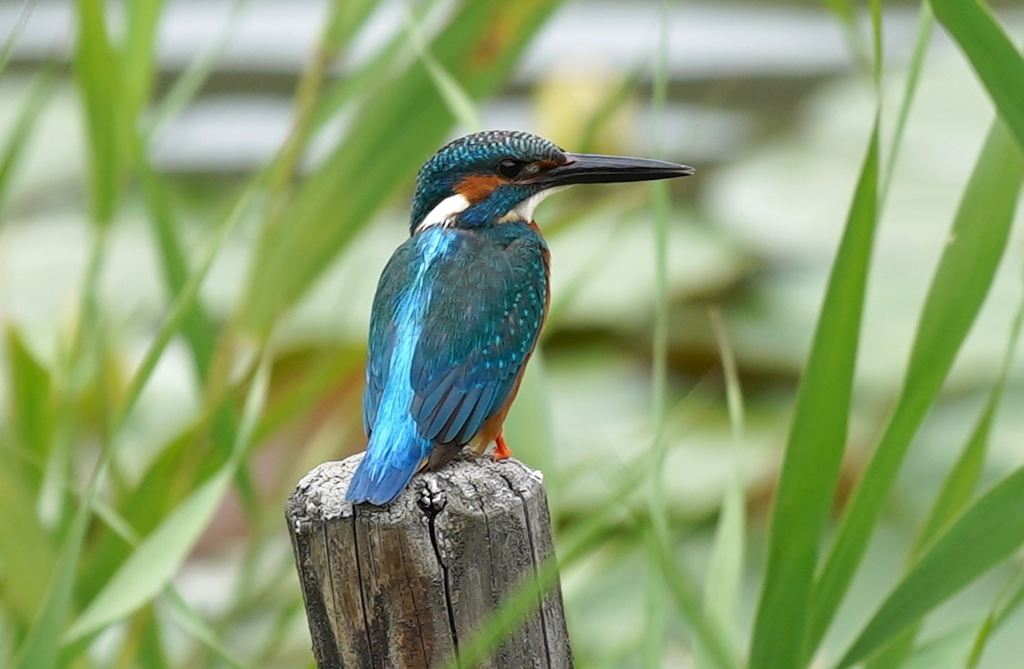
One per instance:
(510,168)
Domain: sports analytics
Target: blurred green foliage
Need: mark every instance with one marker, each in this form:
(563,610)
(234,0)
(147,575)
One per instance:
(107,519)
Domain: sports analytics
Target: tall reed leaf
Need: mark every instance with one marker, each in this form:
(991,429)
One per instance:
(26,548)
(725,572)
(922,38)
(181,307)
(988,532)
(12,37)
(459,102)
(955,493)
(189,82)
(30,392)
(817,438)
(1003,608)
(706,633)
(21,132)
(139,56)
(196,326)
(993,56)
(344,19)
(98,78)
(39,650)
(961,282)
(150,567)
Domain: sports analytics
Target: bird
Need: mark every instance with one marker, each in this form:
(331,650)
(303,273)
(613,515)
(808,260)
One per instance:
(460,304)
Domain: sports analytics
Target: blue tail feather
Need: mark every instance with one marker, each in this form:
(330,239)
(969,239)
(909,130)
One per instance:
(396,447)
(393,455)
(377,486)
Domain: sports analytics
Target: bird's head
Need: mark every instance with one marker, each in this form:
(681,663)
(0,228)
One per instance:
(501,175)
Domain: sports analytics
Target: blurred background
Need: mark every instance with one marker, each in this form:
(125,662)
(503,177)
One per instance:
(279,138)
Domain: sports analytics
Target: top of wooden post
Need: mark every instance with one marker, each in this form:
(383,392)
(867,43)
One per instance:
(320,494)
(403,585)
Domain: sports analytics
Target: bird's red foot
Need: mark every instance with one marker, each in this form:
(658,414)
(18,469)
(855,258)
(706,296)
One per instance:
(501,449)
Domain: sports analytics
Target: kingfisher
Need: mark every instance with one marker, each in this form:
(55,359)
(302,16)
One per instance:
(460,305)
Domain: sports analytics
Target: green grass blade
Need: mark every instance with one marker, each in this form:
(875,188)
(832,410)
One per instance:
(373,76)
(196,326)
(725,571)
(652,640)
(327,371)
(955,493)
(963,479)
(180,610)
(190,621)
(151,566)
(139,56)
(987,533)
(733,390)
(965,272)
(817,438)
(875,10)
(944,650)
(39,650)
(164,484)
(707,635)
(98,73)
(922,38)
(187,85)
(458,101)
(148,641)
(994,58)
(846,12)
(344,20)
(180,308)
(659,221)
(27,551)
(21,131)
(31,402)
(651,648)
(725,568)
(1011,600)
(72,371)
(12,39)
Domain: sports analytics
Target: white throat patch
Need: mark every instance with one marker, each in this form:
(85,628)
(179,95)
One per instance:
(524,210)
(444,212)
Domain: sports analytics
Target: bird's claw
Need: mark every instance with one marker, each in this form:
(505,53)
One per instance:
(501,449)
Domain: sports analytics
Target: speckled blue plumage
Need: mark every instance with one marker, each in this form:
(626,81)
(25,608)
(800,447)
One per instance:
(456,315)
(460,305)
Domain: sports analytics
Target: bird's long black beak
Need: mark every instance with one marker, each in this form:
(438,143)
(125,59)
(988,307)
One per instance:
(593,168)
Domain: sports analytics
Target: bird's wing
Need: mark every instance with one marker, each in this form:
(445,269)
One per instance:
(395,278)
(485,313)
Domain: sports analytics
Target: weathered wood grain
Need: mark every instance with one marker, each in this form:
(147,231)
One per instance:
(402,585)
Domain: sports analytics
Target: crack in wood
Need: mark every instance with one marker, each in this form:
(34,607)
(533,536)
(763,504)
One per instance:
(432,513)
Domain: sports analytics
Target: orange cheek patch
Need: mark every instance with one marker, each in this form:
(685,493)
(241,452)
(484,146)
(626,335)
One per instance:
(476,188)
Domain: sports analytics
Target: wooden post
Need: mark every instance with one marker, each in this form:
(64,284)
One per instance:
(402,585)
